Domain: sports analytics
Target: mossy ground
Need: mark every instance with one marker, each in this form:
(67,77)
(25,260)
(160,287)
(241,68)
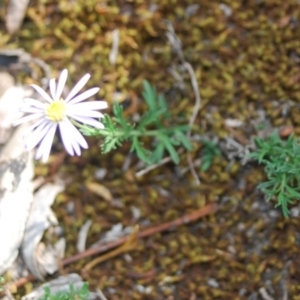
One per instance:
(246,58)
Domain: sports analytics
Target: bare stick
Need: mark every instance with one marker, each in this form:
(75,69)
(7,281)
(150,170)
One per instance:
(152,167)
(186,219)
(177,46)
(193,117)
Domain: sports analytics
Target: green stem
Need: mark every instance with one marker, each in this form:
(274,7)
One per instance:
(283,184)
(134,132)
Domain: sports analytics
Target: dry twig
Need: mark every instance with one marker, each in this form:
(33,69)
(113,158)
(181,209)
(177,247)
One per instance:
(186,219)
(130,244)
(177,46)
(154,166)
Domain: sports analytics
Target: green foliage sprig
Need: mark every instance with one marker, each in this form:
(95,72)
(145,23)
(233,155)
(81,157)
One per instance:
(153,124)
(72,294)
(282,166)
(210,151)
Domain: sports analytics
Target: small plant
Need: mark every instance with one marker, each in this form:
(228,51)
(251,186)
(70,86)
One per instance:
(282,166)
(72,294)
(210,151)
(153,124)
(65,115)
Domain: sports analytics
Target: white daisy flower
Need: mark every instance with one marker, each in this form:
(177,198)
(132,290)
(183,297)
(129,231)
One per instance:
(57,112)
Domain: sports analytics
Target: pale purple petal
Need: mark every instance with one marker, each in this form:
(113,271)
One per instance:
(42,93)
(38,134)
(72,138)
(80,84)
(34,103)
(36,124)
(30,130)
(76,148)
(82,113)
(77,135)
(45,146)
(84,95)
(75,145)
(66,137)
(91,105)
(61,83)
(88,121)
(27,118)
(52,86)
(30,109)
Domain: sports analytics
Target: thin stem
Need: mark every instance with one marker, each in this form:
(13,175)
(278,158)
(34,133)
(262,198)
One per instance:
(283,183)
(134,132)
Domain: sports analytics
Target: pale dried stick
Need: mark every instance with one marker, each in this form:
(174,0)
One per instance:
(177,46)
(193,117)
(152,167)
(100,294)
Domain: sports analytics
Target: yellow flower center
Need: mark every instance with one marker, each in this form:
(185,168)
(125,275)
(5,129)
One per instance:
(56,111)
